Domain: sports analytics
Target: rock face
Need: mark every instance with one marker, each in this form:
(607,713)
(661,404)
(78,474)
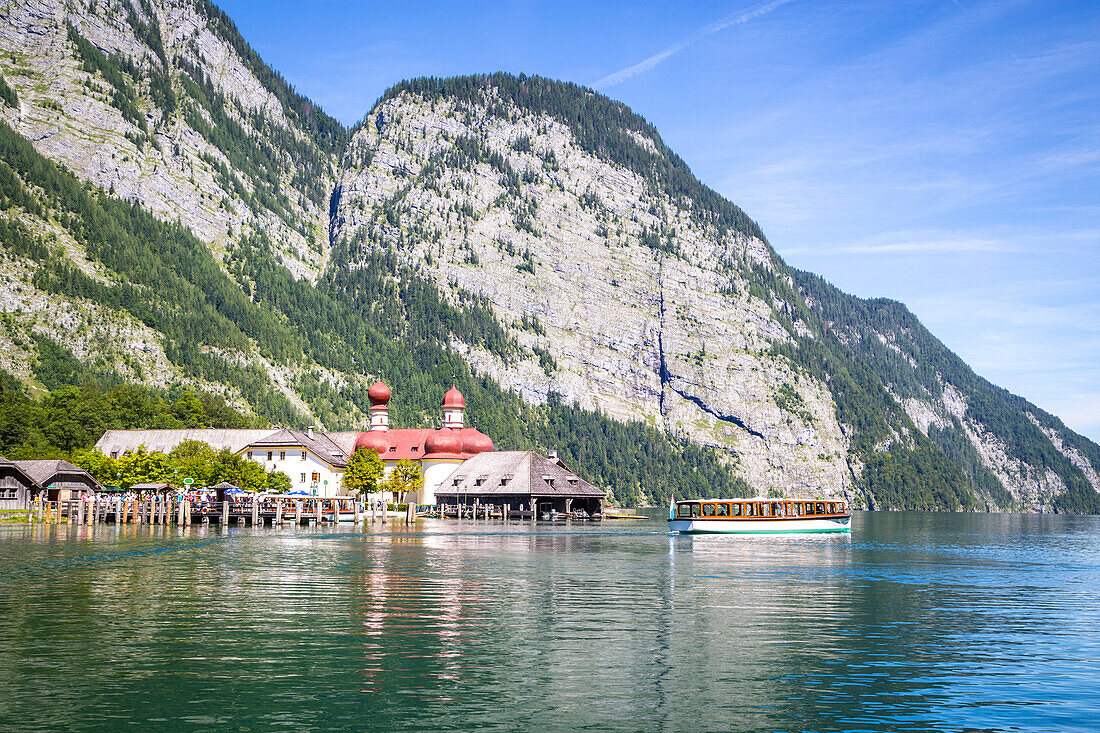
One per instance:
(168,160)
(665,332)
(620,282)
(177,154)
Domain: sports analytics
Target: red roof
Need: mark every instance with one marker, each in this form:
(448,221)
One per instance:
(378,394)
(396,445)
(454,399)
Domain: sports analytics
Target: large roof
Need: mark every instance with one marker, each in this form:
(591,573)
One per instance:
(398,444)
(236,440)
(515,472)
(164,441)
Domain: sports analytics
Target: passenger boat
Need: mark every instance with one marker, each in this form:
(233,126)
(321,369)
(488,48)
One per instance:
(759,515)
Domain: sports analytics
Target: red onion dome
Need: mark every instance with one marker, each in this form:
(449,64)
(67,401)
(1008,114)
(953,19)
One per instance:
(379,394)
(376,441)
(477,442)
(443,441)
(454,399)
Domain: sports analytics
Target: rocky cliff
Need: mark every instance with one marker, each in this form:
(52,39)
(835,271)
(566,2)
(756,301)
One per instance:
(623,300)
(532,239)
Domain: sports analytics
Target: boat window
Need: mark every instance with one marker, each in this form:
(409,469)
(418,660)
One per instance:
(765,510)
(722,510)
(840,507)
(736,510)
(708,510)
(809,507)
(777,510)
(683,510)
(694,510)
(832,508)
(820,507)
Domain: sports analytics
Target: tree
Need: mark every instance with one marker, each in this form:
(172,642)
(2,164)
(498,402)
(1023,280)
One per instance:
(405,478)
(364,472)
(241,472)
(277,483)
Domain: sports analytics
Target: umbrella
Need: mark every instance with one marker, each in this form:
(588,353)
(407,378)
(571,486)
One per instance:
(299,492)
(235,490)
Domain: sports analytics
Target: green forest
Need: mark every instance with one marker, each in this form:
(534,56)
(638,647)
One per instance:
(915,368)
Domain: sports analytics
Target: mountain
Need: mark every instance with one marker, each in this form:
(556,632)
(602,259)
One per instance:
(176,215)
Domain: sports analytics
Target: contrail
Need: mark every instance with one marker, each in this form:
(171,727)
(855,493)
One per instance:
(727,22)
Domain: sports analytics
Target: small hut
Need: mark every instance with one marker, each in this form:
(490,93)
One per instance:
(220,489)
(520,480)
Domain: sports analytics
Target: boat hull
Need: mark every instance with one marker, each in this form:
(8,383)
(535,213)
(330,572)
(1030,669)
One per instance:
(760,526)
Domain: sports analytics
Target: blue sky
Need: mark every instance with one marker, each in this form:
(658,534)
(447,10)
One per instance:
(945,153)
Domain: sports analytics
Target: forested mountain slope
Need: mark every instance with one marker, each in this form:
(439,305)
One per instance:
(172,213)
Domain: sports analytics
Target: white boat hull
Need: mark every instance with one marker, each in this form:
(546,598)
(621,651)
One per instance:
(760,526)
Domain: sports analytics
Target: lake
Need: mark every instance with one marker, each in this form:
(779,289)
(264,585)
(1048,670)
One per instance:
(913,622)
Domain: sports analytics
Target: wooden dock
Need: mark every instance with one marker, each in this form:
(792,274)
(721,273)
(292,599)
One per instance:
(183,512)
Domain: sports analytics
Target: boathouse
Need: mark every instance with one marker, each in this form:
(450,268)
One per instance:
(17,489)
(520,480)
(61,480)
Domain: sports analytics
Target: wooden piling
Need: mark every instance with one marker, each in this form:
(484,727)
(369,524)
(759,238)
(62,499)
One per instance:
(278,512)
(187,512)
(255,511)
(297,511)
(317,506)
(225,513)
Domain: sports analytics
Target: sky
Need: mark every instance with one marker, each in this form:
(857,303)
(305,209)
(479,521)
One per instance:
(944,153)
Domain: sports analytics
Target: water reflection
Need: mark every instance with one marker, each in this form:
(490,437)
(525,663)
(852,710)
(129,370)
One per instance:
(912,622)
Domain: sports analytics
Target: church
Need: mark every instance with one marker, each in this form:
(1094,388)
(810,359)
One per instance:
(439,451)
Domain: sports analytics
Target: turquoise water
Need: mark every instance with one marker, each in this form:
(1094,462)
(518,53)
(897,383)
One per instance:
(913,622)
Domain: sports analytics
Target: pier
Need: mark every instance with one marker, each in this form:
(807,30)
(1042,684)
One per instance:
(183,512)
(264,510)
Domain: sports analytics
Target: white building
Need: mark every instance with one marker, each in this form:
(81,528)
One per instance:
(313,461)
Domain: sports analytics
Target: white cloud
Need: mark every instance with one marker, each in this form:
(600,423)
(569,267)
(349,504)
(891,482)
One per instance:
(905,246)
(647,64)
